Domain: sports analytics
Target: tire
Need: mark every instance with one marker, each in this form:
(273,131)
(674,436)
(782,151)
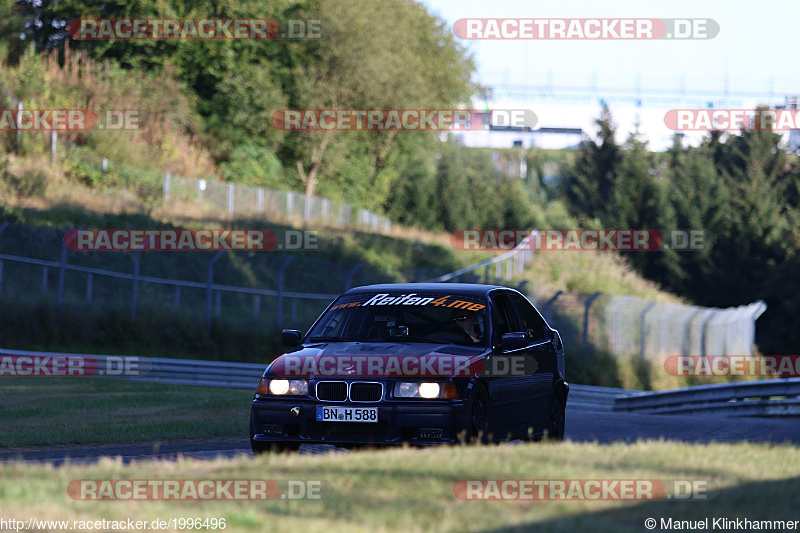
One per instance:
(259,447)
(556,417)
(479,417)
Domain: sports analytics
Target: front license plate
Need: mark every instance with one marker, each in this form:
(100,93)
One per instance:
(347,414)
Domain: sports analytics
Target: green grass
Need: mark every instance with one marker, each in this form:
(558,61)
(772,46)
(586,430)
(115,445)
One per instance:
(93,410)
(408,490)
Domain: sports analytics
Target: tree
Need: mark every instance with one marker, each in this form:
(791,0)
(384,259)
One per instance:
(365,63)
(640,202)
(589,184)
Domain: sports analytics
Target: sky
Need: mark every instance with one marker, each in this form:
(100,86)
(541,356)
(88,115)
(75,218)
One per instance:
(755,49)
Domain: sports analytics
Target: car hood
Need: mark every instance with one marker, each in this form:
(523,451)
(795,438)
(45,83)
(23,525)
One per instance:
(378,360)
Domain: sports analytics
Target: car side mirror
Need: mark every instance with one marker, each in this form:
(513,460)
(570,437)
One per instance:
(514,340)
(544,336)
(291,337)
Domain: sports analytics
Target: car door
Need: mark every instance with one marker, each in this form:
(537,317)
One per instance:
(542,349)
(509,386)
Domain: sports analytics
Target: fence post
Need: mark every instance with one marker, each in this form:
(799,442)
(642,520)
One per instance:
(664,328)
(756,310)
(209,285)
(3,226)
(687,325)
(137,255)
(62,273)
(105,165)
(589,302)
(307,208)
(642,343)
(704,333)
(350,275)
(230,199)
(53,144)
(279,295)
(167,186)
(617,334)
(260,199)
(200,187)
(548,307)
(20,107)
(289,204)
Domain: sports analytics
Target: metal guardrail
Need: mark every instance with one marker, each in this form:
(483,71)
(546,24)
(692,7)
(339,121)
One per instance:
(770,397)
(593,398)
(517,258)
(751,398)
(162,370)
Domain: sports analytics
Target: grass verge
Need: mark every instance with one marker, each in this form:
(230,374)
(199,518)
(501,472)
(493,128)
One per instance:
(412,490)
(69,411)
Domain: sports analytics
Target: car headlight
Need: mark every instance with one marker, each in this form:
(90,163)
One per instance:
(283,387)
(424,389)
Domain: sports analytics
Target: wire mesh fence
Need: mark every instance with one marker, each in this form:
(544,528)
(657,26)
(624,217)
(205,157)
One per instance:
(628,325)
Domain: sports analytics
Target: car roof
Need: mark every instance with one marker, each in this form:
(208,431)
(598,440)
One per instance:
(472,289)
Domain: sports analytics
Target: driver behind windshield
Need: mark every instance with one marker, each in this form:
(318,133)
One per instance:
(467,321)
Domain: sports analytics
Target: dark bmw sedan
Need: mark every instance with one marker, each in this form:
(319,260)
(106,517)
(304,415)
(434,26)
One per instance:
(417,363)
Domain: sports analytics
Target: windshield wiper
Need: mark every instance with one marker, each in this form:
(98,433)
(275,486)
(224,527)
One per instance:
(329,339)
(410,338)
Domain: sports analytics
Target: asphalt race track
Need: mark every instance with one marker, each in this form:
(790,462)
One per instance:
(582,426)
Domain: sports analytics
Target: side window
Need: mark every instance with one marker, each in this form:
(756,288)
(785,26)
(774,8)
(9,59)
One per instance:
(532,321)
(505,320)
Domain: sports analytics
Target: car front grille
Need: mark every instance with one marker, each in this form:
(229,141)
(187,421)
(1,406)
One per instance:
(332,391)
(338,391)
(366,392)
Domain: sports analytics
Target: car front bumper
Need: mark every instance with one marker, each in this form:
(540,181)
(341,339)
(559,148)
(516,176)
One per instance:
(422,423)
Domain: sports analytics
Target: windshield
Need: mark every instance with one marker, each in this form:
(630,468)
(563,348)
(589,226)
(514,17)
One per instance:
(405,317)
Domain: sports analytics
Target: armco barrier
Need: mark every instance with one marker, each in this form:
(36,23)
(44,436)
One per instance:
(769,397)
(751,398)
(774,397)
(246,376)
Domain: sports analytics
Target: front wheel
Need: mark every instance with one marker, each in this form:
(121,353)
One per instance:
(479,418)
(556,417)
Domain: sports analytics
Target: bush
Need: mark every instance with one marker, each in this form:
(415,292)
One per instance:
(27,183)
(79,167)
(251,164)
